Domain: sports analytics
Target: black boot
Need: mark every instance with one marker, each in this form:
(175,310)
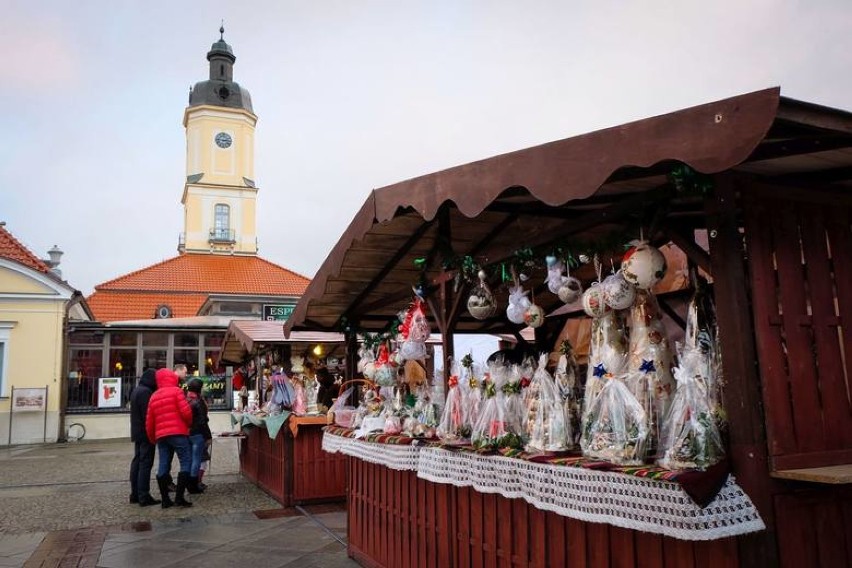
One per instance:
(163,484)
(192,486)
(170,483)
(183,481)
(147,500)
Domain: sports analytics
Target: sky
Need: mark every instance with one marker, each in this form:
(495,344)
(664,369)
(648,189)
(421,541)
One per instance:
(351,96)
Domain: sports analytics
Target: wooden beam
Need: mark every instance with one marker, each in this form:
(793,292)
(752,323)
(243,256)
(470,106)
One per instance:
(672,313)
(742,394)
(798,146)
(390,265)
(692,251)
(606,215)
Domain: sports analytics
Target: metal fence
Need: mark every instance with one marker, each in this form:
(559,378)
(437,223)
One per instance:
(83,394)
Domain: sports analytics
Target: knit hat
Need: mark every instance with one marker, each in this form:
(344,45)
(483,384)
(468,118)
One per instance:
(195,385)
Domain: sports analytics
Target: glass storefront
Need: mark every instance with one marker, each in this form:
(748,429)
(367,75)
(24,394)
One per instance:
(93,354)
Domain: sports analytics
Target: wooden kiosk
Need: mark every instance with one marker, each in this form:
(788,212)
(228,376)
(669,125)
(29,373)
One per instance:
(768,182)
(285,460)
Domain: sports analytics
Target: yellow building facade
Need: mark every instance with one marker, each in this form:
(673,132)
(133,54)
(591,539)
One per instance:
(34,307)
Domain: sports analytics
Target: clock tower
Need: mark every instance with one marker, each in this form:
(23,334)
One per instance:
(219,196)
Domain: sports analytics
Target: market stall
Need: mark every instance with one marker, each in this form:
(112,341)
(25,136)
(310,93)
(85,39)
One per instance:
(759,381)
(280,450)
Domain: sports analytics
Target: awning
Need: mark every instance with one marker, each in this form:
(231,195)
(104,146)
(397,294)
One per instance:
(582,187)
(245,337)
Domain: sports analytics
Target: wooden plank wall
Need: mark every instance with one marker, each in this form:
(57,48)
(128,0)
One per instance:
(396,519)
(316,475)
(800,261)
(248,454)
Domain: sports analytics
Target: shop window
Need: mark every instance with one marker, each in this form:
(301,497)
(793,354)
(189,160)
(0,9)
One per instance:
(155,358)
(188,357)
(213,339)
(122,363)
(155,339)
(85,366)
(186,340)
(123,338)
(87,337)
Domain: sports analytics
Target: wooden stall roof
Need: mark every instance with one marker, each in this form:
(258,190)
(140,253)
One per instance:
(583,186)
(243,336)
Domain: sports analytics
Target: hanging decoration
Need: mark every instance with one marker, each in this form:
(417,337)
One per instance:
(618,293)
(643,265)
(481,303)
(414,332)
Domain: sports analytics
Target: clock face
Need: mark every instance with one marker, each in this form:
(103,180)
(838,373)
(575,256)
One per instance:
(223,140)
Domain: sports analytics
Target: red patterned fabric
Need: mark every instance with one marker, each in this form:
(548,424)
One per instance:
(168,412)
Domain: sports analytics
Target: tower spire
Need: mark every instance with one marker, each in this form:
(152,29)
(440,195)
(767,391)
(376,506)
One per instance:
(222,30)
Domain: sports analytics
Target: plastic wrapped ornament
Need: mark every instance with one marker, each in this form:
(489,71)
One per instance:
(618,293)
(570,290)
(518,305)
(593,301)
(643,265)
(534,316)
(555,277)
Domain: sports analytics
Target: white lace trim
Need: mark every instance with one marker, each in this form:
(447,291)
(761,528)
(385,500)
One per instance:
(617,499)
(402,458)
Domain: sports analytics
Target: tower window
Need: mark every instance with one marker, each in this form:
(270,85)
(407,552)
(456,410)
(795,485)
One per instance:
(222,223)
(221,70)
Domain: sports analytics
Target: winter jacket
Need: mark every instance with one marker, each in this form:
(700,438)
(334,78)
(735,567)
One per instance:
(168,412)
(139,405)
(200,421)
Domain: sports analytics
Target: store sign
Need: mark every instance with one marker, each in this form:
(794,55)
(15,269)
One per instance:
(109,392)
(277,312)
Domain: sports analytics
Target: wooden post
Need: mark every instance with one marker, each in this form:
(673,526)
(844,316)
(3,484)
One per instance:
(742,394)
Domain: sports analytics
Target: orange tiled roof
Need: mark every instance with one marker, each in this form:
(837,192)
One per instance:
(114,305)
(184,283)
(12,249)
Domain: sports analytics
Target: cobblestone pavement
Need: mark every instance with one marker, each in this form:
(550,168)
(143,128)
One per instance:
(68,504)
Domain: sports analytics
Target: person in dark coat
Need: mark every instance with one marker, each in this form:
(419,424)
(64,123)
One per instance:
(327,391)
(143,449)
(199,432)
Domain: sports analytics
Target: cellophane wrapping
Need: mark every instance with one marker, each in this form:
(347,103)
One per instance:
(495,429)
(616,427)
(690,437)
(607,357)
(547,428)
(454,425)
(567,381)
(649,375)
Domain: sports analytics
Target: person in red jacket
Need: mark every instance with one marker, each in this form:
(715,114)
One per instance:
(167,425)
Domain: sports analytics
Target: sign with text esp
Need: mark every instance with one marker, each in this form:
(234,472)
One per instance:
(277,312)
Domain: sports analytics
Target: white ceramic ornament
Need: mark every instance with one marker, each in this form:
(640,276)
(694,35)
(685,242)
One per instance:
(515,313)
(370,370)
(570,290)
(593,301)
(618,293)
(643,265)
(534,316)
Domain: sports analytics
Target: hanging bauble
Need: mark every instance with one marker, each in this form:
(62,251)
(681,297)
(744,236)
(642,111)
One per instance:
(370,370)
(593,301)
(618,293)
(643,265)
(515,313)
(481,303)
(534,316)
(570,291)
(518,304)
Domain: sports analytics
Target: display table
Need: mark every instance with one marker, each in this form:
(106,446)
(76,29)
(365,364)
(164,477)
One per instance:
(289,464)
(410,501)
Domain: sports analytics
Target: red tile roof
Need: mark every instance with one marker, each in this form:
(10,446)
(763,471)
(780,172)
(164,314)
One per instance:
(12,249)
(115,305)
(184,282)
